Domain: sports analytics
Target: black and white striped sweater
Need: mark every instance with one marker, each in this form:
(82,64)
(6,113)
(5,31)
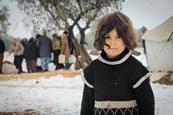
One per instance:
(118,86)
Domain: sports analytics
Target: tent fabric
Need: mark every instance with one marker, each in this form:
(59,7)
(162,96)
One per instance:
(161,32)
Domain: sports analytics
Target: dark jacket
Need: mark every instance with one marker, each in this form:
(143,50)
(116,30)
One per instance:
(44,45)
(30,51)
(2,46)
(118,86)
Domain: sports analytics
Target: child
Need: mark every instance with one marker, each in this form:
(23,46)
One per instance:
(116,83)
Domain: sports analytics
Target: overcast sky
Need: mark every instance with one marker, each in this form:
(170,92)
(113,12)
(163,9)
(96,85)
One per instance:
(149,13)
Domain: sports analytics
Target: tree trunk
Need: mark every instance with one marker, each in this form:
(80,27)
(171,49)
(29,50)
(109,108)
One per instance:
(79,50)
(82,36)
(81,54)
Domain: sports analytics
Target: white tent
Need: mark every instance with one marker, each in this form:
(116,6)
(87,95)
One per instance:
(159,46)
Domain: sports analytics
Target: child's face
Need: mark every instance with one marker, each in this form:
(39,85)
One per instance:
(116,44)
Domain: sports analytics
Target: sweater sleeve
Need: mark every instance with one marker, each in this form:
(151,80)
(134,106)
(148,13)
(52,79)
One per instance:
(87,76)
(87,105)
(145,98)
(143,91)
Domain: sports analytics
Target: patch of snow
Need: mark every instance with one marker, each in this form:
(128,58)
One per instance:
(59,95)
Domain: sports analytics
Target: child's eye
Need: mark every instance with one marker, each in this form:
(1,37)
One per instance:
(107,37)
(118,37)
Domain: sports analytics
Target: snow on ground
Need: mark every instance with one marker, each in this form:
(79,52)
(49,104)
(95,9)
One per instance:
(163,99)
(54,96)
(62,96)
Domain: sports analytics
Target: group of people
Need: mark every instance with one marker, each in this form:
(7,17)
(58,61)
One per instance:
(39,47)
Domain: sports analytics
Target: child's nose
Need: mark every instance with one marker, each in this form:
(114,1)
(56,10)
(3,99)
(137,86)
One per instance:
(113,44)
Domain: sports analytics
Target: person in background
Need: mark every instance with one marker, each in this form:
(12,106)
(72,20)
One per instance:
(44,45)
(18,50)
(56,46)
(116,83)
(37,37)
(24,41)
(2,49)
(65,48)
(30,54)
(38,66)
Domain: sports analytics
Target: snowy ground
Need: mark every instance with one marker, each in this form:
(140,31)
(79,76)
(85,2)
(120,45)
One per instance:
(60,95)
(53,96)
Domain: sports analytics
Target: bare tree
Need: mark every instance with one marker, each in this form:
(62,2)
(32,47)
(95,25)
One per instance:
(66,14)
(4,19)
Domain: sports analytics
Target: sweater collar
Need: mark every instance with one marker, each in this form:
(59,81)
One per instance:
(117,60)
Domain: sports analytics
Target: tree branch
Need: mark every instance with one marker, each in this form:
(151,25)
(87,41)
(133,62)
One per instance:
(51,13)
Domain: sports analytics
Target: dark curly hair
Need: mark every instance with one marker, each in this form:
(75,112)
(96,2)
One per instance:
(123,26)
